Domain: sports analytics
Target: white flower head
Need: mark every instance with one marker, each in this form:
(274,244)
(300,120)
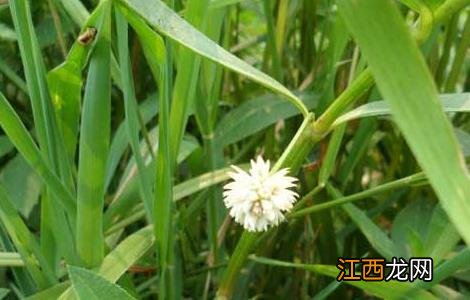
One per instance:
(258,198)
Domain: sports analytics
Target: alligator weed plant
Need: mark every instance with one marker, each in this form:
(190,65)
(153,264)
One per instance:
(234,149)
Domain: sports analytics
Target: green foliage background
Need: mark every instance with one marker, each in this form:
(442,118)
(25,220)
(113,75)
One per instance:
(120,118)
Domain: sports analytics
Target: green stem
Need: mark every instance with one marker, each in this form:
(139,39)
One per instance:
(239,256)
(403,182)
(448,8)
(299,147)
(425,25)
(460,55)
(451,34)
(358,87)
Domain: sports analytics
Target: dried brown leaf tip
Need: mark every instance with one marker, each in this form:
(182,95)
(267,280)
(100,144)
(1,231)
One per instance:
(87,36)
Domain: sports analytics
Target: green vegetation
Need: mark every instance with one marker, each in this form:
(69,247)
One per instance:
(120,120)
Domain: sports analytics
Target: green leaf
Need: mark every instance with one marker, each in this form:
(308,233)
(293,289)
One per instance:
(329,161)
(50,140)
(3,293)
(382,289)
(376,237)
(22,184)
(127,195)
(132,111)
(254,115)
(11,259)
(6,33)
(44,117)
(127,253)
(169,23)
(187,77)
(19,136)
(441,236)
(25,243)
(94,145)
(11,74)
(405,82)
(51,293)
(90,286)
(76,10)
(121,206)
(5,145)
(65,85)
(120,141)
(449,102)
(464,140)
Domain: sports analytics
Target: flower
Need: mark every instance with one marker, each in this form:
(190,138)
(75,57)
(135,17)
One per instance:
(257,199)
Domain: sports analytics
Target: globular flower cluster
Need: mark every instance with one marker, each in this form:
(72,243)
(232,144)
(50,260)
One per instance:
(258,198)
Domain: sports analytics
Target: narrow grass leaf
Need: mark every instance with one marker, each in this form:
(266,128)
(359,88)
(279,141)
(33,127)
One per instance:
(122,257)
(172,25)
(51,293)
(120,141)
(329,161)
(254,115)
(404,80)
(50,140)
(376,237)
(132,110)
(187,77)
(89,285)
(450,103)
(156,55)
(93,150)
(11,74)
(382,289)
(11,259)
(19,136)
(76,10)
(65,83)
(22,184)
(25,243)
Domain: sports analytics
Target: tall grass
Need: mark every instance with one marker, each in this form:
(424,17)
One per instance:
(120,119)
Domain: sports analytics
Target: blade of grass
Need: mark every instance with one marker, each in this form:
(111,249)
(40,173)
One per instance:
(94,148)
(19,136)
(376,237)
(172,25)
(388,290)
(188,66)
(8,72)
(50,141)
(163,204)
(180,191)
(449,102)
(459,58)
(402,77)
(51,293)
(131,111)
(414,179)
(65,85)
(256,114)
(11,259)
(122,257)
(89,285)
(119,144)
(155,53)
(25,243)
(20,276)
(76,10)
